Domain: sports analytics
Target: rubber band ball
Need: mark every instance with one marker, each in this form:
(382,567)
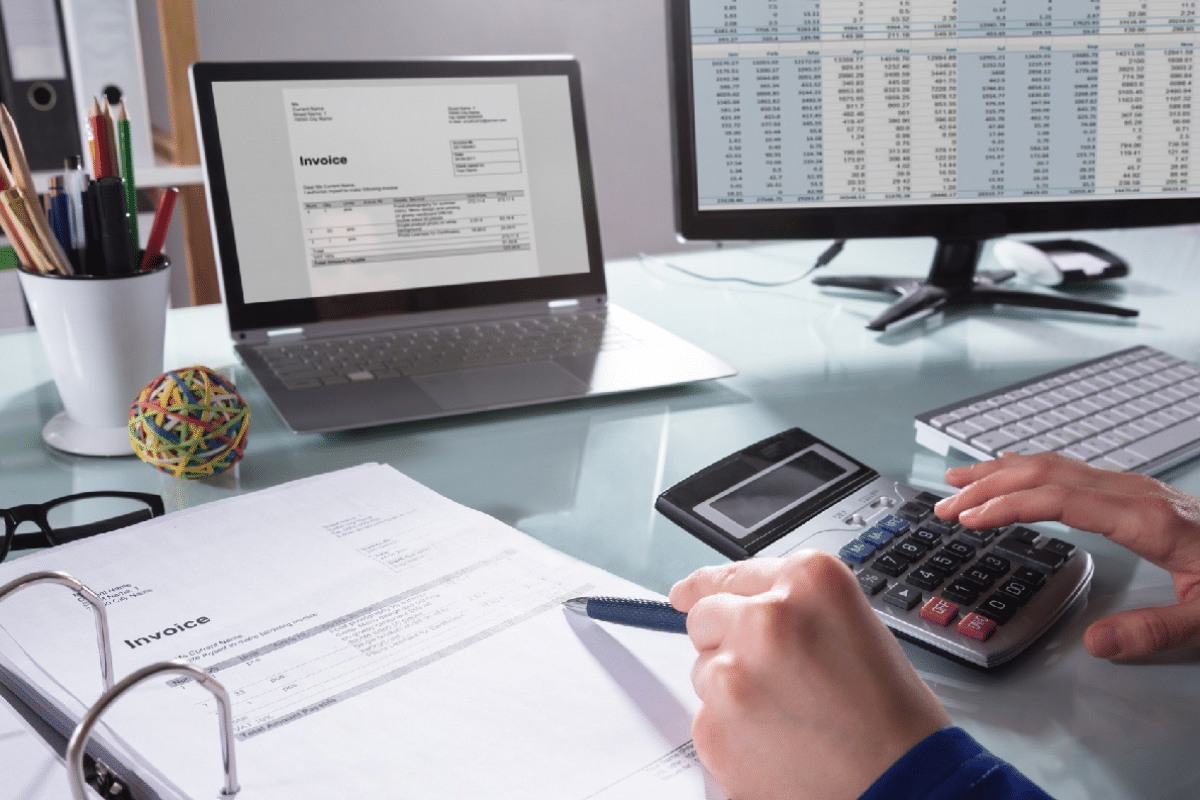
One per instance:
(189,423)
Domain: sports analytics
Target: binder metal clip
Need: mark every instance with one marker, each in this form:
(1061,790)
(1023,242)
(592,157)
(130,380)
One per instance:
(224,711)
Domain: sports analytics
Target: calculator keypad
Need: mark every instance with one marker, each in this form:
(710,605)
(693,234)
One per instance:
(980,579)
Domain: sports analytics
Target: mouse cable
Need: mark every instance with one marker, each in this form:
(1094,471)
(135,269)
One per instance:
(828,255)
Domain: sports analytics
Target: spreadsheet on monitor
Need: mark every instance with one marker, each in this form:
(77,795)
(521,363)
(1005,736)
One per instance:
(877,102)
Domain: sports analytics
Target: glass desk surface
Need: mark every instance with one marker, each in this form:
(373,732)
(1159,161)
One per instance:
(582,476)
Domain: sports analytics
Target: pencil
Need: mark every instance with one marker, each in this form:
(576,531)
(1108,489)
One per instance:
(16,214)
(17,238)
(23,178)
(102,165)
(125,148)
(110,136)
(158,230)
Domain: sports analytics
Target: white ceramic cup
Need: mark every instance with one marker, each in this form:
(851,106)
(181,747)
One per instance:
(103,337)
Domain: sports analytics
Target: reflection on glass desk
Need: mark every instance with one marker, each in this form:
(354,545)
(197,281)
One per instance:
(582,476)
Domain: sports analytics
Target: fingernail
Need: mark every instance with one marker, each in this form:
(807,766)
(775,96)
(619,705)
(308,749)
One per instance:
(1105,643)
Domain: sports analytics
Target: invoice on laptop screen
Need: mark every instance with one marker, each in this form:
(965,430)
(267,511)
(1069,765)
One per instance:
(343,187)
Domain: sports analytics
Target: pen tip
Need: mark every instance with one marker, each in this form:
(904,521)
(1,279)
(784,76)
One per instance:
(576,604)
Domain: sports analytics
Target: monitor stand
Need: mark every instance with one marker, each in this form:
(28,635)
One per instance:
(953,281)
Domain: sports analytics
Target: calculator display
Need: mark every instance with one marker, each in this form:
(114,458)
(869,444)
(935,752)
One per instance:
(773,491)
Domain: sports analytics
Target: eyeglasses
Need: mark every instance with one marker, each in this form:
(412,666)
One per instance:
(75,516)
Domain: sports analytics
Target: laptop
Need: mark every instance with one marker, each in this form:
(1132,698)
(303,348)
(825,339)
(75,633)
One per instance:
(415,239)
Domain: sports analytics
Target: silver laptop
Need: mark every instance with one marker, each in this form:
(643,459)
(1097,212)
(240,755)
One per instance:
(405,240)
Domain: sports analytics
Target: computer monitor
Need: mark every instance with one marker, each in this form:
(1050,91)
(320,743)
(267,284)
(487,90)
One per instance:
(959,120)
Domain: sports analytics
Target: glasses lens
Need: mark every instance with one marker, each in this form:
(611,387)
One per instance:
(87,516)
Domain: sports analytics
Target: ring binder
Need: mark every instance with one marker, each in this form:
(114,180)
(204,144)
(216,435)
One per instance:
(63,579)
(182,668)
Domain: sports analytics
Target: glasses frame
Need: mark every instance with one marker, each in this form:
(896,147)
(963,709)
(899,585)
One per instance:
(48,536)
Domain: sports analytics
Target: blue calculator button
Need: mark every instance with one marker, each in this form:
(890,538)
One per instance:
(893,524)
(878,536)
(856,551)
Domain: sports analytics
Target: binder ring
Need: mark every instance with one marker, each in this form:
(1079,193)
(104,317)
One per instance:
(224,712)
(63,579)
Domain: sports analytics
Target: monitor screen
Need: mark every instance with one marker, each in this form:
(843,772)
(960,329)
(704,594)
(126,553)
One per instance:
(956,119)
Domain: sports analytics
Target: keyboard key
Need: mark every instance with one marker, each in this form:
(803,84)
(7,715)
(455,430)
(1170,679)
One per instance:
(962,592)
(856,551)
(1019,592)
(1059,547)
(1031,577)
(978,537)
(893,524)
(877,536)
(939,611)
(926,537)
(943,562)
(998,607)
(984,577)
(939,526)
(977,627)
(995,563)
(871,582)
(914,511)
(890,564)
(912,550)
(960,550)
(925,578)
(901,596)
(1022,534)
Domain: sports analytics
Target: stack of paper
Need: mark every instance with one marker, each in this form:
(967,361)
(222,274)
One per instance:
(377,640)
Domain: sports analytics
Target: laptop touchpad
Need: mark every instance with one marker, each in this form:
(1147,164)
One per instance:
(489,387)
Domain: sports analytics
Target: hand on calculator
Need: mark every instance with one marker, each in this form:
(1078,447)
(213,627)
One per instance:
(1154,520)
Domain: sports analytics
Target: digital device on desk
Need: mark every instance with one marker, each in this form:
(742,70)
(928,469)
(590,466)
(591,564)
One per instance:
(980,597)
(403,240)
(1136,410)
(820,121)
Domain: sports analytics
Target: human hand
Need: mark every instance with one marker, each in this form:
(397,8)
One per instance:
(1156,521)
(804,692)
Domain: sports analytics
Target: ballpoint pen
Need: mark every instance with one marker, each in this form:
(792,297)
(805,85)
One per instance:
(653,615)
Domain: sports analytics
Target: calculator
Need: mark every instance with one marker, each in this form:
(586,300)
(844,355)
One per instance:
(978,597)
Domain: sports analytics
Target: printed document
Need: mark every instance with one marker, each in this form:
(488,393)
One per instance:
(377,640)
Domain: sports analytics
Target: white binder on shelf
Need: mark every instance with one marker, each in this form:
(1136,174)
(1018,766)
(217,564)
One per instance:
(105,47)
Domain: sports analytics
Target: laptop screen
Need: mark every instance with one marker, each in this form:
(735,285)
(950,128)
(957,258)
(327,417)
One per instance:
(343,190)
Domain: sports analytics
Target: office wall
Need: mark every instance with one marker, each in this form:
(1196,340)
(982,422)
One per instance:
(620,43)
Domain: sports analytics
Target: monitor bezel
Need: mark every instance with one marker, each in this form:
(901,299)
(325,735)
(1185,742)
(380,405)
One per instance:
(245,316)
(946,222)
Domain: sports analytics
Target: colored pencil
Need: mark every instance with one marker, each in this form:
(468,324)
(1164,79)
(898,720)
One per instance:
(125,149)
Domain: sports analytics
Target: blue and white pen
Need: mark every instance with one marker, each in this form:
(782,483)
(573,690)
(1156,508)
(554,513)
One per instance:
(651,614)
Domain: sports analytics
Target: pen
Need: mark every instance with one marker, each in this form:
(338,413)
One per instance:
(74,182)
(653,615)
(158,229)
(108,195)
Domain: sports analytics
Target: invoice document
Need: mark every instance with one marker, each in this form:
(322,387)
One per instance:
(377,641)
(408,186)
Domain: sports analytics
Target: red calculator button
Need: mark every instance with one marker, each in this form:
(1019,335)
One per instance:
(977,626)
(939,611)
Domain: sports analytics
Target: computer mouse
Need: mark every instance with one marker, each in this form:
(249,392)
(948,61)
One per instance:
(1026,260)
(1059,261)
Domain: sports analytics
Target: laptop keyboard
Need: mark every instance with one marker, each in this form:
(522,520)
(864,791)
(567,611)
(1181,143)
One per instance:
(1137,410)
(378,356)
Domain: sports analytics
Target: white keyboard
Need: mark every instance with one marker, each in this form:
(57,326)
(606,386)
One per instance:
(1137,410)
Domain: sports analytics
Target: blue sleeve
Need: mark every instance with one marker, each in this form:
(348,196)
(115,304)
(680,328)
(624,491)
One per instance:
(950,765)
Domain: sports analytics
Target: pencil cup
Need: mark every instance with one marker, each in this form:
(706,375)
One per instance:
(103,337)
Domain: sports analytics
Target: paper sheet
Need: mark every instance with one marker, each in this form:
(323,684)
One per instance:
(378,640)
